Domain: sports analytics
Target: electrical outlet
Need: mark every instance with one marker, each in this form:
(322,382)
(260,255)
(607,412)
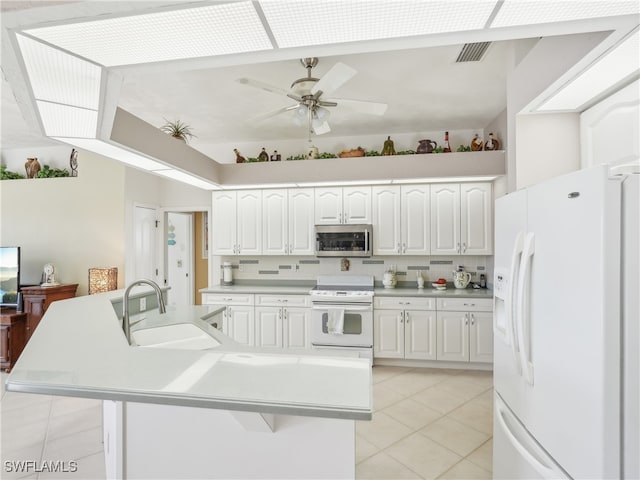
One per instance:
(143,304)
(241,268)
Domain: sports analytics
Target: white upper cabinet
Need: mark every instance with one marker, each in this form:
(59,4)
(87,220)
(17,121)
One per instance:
(401,220)
(287,222)
(237,223)
(461,219)
(341,205)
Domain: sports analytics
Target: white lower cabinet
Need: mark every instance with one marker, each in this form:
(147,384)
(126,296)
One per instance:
(404,327)
(464,330)
(282,321)
(238,320)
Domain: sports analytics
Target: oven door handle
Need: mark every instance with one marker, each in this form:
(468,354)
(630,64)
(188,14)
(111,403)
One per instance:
(350,308)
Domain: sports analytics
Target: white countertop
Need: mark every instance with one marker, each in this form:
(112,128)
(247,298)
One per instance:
(79,349)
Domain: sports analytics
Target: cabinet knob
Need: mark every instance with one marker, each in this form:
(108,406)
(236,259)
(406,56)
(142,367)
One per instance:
(473,319)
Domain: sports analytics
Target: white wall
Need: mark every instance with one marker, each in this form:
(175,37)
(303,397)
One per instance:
(548,146)
(74,223)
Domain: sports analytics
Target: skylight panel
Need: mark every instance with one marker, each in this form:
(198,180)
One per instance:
(65,121)
(526,12)
(304,23)
(219,29)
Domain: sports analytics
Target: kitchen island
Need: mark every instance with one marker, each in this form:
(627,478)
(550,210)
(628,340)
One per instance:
(222,412)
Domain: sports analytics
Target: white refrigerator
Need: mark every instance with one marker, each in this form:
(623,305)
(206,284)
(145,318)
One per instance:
(566,334)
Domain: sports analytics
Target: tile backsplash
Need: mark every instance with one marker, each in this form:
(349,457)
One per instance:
(289,268)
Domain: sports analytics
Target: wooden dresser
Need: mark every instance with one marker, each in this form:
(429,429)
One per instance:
(37,299)
(13,330)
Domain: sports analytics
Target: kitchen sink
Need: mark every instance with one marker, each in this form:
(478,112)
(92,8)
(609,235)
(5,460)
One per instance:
(181,336)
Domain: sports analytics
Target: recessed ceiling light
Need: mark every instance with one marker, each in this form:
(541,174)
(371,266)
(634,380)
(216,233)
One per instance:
(219,29)
(57,76)
(303,23)
(66,121)
(528,12)
(618,64)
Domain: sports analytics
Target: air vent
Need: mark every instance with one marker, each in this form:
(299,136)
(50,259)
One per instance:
(472,52)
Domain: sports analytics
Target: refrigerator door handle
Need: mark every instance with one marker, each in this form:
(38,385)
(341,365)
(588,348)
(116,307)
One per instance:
(516,258)
(525,448)
(523,307)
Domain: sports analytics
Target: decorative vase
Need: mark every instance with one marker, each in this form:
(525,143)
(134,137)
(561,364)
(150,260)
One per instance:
(32,166)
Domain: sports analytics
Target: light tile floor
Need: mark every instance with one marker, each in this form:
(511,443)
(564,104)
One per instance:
(427,423)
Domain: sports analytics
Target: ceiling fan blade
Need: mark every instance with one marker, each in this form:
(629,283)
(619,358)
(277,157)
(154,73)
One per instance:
(262,86)
(334,79)
(273,113)
(322,129)
(372,108)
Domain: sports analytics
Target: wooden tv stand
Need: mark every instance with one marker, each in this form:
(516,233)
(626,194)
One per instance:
(13,330)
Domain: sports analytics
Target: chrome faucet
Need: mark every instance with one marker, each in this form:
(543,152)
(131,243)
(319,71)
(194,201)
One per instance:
(126,324)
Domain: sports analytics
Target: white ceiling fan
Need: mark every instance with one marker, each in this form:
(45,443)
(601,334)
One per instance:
(311,94)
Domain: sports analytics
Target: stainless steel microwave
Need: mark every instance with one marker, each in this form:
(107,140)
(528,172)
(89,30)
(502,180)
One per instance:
(344,240)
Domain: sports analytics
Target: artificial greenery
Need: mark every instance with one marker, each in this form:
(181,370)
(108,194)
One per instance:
(8,174)
(327,155)
(178,129)
(462,148)
(48,172)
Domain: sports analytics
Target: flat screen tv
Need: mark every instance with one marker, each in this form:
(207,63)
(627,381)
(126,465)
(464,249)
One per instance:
(9,275)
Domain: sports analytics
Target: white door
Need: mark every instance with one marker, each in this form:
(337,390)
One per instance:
(476,223)
(296,327)
(356,205)
(415,215)
(301,221)
(328,206)
(386,220)
(249,222)
(223,223)
(420,334)
(453,336)
(388,333)
(144,232)
(274,222)
(445,219)
(269,323)
(241,324)
(481,337)
(179,254)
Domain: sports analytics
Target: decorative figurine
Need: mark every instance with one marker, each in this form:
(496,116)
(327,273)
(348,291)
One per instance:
(276,157)
(388,147)
(426,146)
(32,166)
(263,156)
(73,162)
(239,158)
(312,152)
(492,143)
(476,143)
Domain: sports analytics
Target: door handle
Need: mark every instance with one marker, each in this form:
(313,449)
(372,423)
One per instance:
(473,319)
(398,247)
(466,319)
(401,317)
(406,316)
(404,248)
(458,247)
(464,247)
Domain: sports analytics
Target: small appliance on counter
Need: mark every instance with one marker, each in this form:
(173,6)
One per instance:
(389,279)
(227,274)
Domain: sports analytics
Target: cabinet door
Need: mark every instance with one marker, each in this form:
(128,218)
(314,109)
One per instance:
(296,327)
(249,222)
(34,306)
(301,222)
(5,360)
(453,336)
(481,337)
(240,326)
(416,239)
(274,222)
(328,206)
(269,327)
(476,222)
(420,334)
(386,220)
(356,204)
(445,219)
(223,223)
(388,334)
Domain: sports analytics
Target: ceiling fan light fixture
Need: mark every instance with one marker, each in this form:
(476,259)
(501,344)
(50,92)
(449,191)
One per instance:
(322,113)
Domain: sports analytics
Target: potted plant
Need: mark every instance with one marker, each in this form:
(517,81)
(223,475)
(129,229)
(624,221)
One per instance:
(177,129)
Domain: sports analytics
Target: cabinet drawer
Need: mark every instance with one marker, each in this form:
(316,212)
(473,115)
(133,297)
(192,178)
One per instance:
(400,303)
(466,304)
(227,299)
(283,300)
